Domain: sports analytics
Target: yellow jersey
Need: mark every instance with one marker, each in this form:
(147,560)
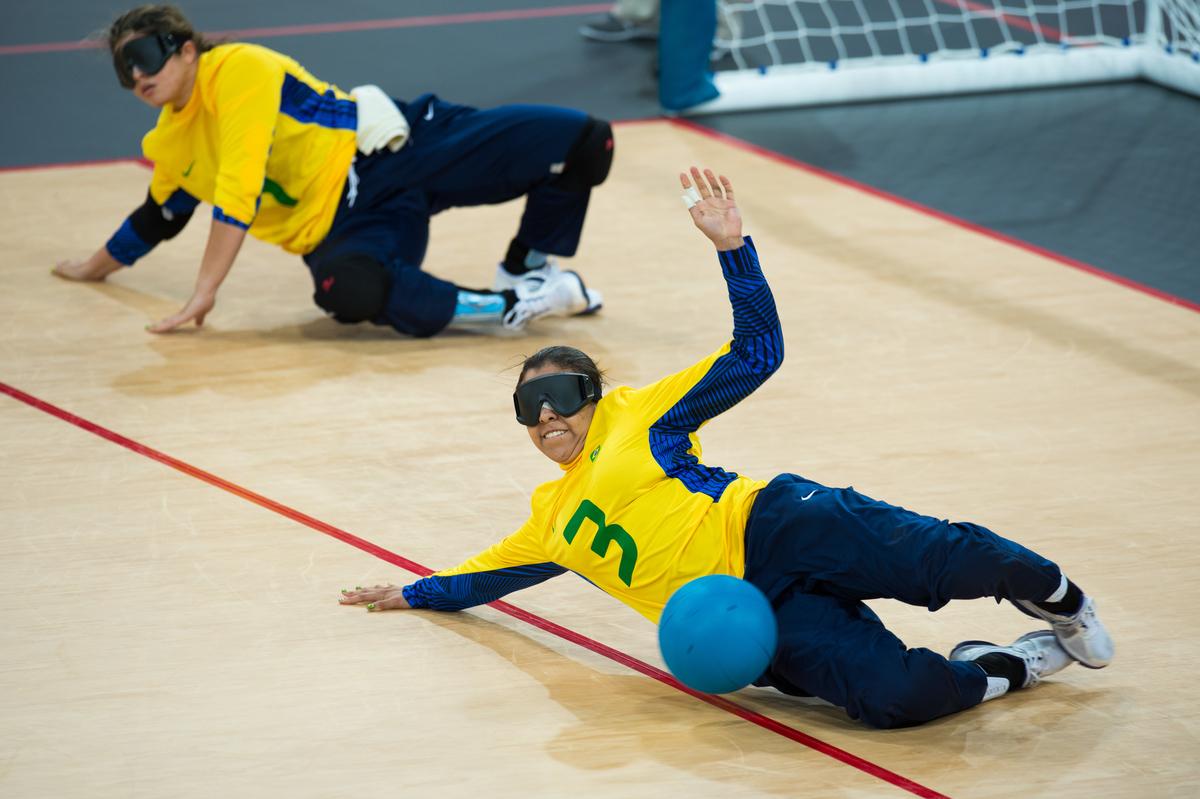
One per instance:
(637,513)
(262,140)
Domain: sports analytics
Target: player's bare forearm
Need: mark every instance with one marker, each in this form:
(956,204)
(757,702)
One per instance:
(224,242)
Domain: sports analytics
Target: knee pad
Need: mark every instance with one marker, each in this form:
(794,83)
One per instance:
(155,223)
(351,288)
(589,158)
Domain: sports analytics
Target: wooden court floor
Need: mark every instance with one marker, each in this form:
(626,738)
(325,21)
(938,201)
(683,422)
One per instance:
(165,636)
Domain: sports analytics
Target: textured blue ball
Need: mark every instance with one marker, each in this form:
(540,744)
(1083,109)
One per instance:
(717,634)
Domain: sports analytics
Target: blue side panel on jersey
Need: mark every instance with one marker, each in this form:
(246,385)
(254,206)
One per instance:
(304,104)
(754,355)
(460,591)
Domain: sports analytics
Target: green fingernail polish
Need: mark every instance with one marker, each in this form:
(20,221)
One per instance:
(358,588)
(371,606)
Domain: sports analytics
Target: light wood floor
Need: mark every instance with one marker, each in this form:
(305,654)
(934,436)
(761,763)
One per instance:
(162,637)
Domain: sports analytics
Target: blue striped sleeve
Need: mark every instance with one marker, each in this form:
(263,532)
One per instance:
(755,353)
(460,591)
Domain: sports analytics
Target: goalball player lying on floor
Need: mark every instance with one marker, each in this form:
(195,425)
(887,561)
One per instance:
(638,515)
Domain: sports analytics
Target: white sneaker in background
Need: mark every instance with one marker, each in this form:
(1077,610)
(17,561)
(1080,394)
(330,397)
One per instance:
(506,280)
(561,295)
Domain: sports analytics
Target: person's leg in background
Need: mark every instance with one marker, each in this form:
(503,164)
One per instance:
(638,20)
(629,20)
(552,156)
(555,211)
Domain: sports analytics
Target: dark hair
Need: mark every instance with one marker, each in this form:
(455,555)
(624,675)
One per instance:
(567,358)
(160,19)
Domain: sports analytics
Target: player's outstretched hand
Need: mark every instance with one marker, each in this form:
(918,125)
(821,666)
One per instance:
(381,597)
(712,208)
(196,309)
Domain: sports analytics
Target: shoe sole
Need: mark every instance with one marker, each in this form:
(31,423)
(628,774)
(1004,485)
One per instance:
(591,309)
(588,309)
(1026,637)
(969,645)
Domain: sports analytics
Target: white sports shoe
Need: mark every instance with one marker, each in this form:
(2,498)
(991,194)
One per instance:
(1040,650)
(1082,634)
(561,295)
(505,280)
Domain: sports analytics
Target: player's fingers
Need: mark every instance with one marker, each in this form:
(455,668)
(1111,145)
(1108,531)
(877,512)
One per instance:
(167,325)
(701,185)
(684,181)
(366,593)
(727,186)
(393,601)
(713,185)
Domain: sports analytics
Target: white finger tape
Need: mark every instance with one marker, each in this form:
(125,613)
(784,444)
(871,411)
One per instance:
(690,197)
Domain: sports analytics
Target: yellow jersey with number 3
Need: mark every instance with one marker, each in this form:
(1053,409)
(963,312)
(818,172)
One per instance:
(637,513)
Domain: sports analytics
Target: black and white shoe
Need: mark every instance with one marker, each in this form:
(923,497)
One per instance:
(506,280)
(1040,652)
(561,295)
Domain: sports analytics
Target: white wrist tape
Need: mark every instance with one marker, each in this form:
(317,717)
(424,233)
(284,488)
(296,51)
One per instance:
(690,197)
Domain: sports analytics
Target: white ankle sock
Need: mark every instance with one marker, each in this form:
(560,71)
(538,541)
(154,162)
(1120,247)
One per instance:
(1058,595)
(997,686)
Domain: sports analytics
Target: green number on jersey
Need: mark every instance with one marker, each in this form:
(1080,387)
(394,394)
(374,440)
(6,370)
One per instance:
(605,535)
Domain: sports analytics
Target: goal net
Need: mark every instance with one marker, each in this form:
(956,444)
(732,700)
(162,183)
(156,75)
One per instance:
(774,53)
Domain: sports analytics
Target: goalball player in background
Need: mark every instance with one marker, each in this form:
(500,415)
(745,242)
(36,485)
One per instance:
(348,181)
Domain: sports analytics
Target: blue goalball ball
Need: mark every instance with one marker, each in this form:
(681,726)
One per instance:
(717,634)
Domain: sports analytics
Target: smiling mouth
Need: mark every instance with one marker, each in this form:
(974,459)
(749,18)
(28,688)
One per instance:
(554,434)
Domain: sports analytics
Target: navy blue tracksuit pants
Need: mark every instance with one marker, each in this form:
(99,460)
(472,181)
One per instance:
(455,156)
(817,552)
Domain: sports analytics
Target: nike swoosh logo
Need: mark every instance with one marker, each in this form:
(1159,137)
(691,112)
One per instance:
(188,171)
(810,494)
(429,114)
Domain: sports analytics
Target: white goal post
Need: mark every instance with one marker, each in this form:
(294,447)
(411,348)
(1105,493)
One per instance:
(811,52)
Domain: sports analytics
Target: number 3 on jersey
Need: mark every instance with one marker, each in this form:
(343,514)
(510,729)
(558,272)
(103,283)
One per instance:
(605,535)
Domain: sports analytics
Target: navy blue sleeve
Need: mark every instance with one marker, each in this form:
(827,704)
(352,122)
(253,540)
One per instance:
(460,591)
(755,353)
(757,335)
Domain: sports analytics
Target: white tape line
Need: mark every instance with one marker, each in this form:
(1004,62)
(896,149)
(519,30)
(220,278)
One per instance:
(690,197)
